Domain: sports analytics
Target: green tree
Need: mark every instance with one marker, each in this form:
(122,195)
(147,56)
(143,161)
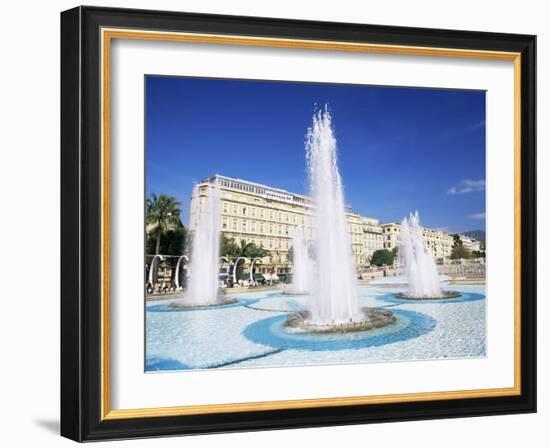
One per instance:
(459,251)
(457,240)
(248,250)
(173,242)
(162,214)
(255,251)
(228,247)
(478,253)
(382,257)
(244,248)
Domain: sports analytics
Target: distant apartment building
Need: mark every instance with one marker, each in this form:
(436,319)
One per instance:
(470,243)
(373,236)
(269,216)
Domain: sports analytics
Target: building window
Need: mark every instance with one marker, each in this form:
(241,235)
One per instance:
(244,211)
(271,244)
(225,207)
(279,244)
(253,211)
(262,227)
(262,213)
(235,225)
(234,209)
(224,225)
(280,229)
(271,229)
(253,226)
(280,216)
(244,226)
(286,230)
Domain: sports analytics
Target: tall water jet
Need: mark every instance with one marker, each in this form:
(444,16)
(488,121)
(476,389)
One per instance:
(335,290)
(333,306)
(420,268)
(301,263)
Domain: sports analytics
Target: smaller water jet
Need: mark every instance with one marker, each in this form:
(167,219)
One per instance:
(203,283)
(420,268)
(302,264)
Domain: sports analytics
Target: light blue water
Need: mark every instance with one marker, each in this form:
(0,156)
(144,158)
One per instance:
(272,332)
(251,333)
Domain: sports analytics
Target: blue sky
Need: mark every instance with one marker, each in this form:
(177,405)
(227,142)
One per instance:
(400,149)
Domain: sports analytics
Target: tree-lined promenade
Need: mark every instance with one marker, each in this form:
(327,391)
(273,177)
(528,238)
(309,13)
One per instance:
(166,236)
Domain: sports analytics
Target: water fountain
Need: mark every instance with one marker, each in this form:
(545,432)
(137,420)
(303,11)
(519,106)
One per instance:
(421,271)
(202,289)
(333,306)
(301,264)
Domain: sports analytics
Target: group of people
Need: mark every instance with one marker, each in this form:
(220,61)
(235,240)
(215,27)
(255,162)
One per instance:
(228,283)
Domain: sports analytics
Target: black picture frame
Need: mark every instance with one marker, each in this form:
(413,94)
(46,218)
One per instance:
(81,209)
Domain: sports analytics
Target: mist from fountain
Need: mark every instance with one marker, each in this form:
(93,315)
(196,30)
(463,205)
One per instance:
(335,296)
(420,268)
(202,287)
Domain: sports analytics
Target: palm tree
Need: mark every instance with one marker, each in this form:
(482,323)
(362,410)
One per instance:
(250,250)
(228,247)
(258,252)
(162,214)
(244,249)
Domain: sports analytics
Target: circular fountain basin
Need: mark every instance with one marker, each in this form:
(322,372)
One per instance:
(373,318)
(443,296)
(292,292)
(401,280)
(219,302)
(273,332)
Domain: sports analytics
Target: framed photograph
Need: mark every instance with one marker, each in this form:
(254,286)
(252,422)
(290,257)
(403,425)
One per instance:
(276,224)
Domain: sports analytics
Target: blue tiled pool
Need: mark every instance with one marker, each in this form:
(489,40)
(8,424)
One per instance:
(251,333)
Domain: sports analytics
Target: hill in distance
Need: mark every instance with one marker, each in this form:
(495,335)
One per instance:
(476,234)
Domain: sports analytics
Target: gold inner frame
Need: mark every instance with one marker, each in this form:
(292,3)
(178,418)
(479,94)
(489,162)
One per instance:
(107,35)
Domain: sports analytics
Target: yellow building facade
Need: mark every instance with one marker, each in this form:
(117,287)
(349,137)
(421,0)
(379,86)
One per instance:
(373,237)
